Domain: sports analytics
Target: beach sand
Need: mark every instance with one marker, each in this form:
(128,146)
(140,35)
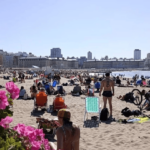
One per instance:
(108,136)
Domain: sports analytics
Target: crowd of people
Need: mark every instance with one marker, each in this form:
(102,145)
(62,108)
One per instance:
(68,134)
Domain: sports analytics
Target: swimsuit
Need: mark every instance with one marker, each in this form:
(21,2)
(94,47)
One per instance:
(107,94)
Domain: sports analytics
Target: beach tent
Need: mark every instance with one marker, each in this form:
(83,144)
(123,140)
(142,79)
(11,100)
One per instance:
(47,70)
(139,82)
(35,67)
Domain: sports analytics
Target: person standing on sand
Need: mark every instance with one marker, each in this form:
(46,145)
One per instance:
(107,85)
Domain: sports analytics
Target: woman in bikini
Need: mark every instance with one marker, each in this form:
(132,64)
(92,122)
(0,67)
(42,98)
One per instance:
(33,91)
(68,135)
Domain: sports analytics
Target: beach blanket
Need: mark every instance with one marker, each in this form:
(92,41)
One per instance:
(138,120)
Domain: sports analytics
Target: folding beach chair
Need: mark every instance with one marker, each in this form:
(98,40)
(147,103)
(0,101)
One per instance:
(40,102)
(59,103)
(54,83)
(92,105)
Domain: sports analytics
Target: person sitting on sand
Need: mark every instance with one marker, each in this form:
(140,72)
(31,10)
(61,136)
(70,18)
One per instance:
(34,83)
(128,82)
(59,101)
(39,85)
(41,97)
(90,91)
(1,86)
(121,97)
(33,91)
(144,83)
(31,76)
(118,81)
(22,92)
(88,80)
(68,134)
(52,90)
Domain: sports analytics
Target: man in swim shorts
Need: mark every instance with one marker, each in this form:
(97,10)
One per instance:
(107,86)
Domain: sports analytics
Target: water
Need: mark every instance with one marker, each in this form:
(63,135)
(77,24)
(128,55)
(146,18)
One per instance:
(128,74)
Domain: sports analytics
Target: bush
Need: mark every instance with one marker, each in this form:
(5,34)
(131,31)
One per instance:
(21,137)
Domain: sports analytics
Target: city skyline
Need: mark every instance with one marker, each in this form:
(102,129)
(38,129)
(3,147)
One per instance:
(58,54)
(109,28)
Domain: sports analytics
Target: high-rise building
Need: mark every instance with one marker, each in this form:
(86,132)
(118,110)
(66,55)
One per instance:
(137,54)
(89,55)
(56,52)
(106,57)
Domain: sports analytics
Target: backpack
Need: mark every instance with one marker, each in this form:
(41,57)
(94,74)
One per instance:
(104,114)
(65,84)
(136,112)
(147,95)
(129,96)
(126,112)
(25,97)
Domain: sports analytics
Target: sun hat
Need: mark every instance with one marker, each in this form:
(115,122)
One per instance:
(64,113)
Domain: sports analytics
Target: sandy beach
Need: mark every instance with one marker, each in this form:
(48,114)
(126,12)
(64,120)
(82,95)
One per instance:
(108,136)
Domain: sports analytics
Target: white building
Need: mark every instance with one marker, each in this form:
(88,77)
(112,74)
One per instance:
(147,61)
(56,52)
(89,55)
(137,54)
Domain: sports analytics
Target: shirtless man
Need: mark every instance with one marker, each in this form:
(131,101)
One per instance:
(68,135)
(107,85)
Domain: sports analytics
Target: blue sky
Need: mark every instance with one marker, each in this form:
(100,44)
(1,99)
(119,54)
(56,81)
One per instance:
(111,27)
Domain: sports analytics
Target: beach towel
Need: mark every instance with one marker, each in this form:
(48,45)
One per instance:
(139,120)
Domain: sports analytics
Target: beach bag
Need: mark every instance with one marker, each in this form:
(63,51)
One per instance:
(136,112)
(72,82)
(65,84)
(126,112)
(147,96)
(129,97)
(25,97)
(148,82)
(104,114)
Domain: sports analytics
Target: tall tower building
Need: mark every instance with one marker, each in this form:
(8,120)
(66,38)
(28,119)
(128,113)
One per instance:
(137,54)
(56,52)
(89,55)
